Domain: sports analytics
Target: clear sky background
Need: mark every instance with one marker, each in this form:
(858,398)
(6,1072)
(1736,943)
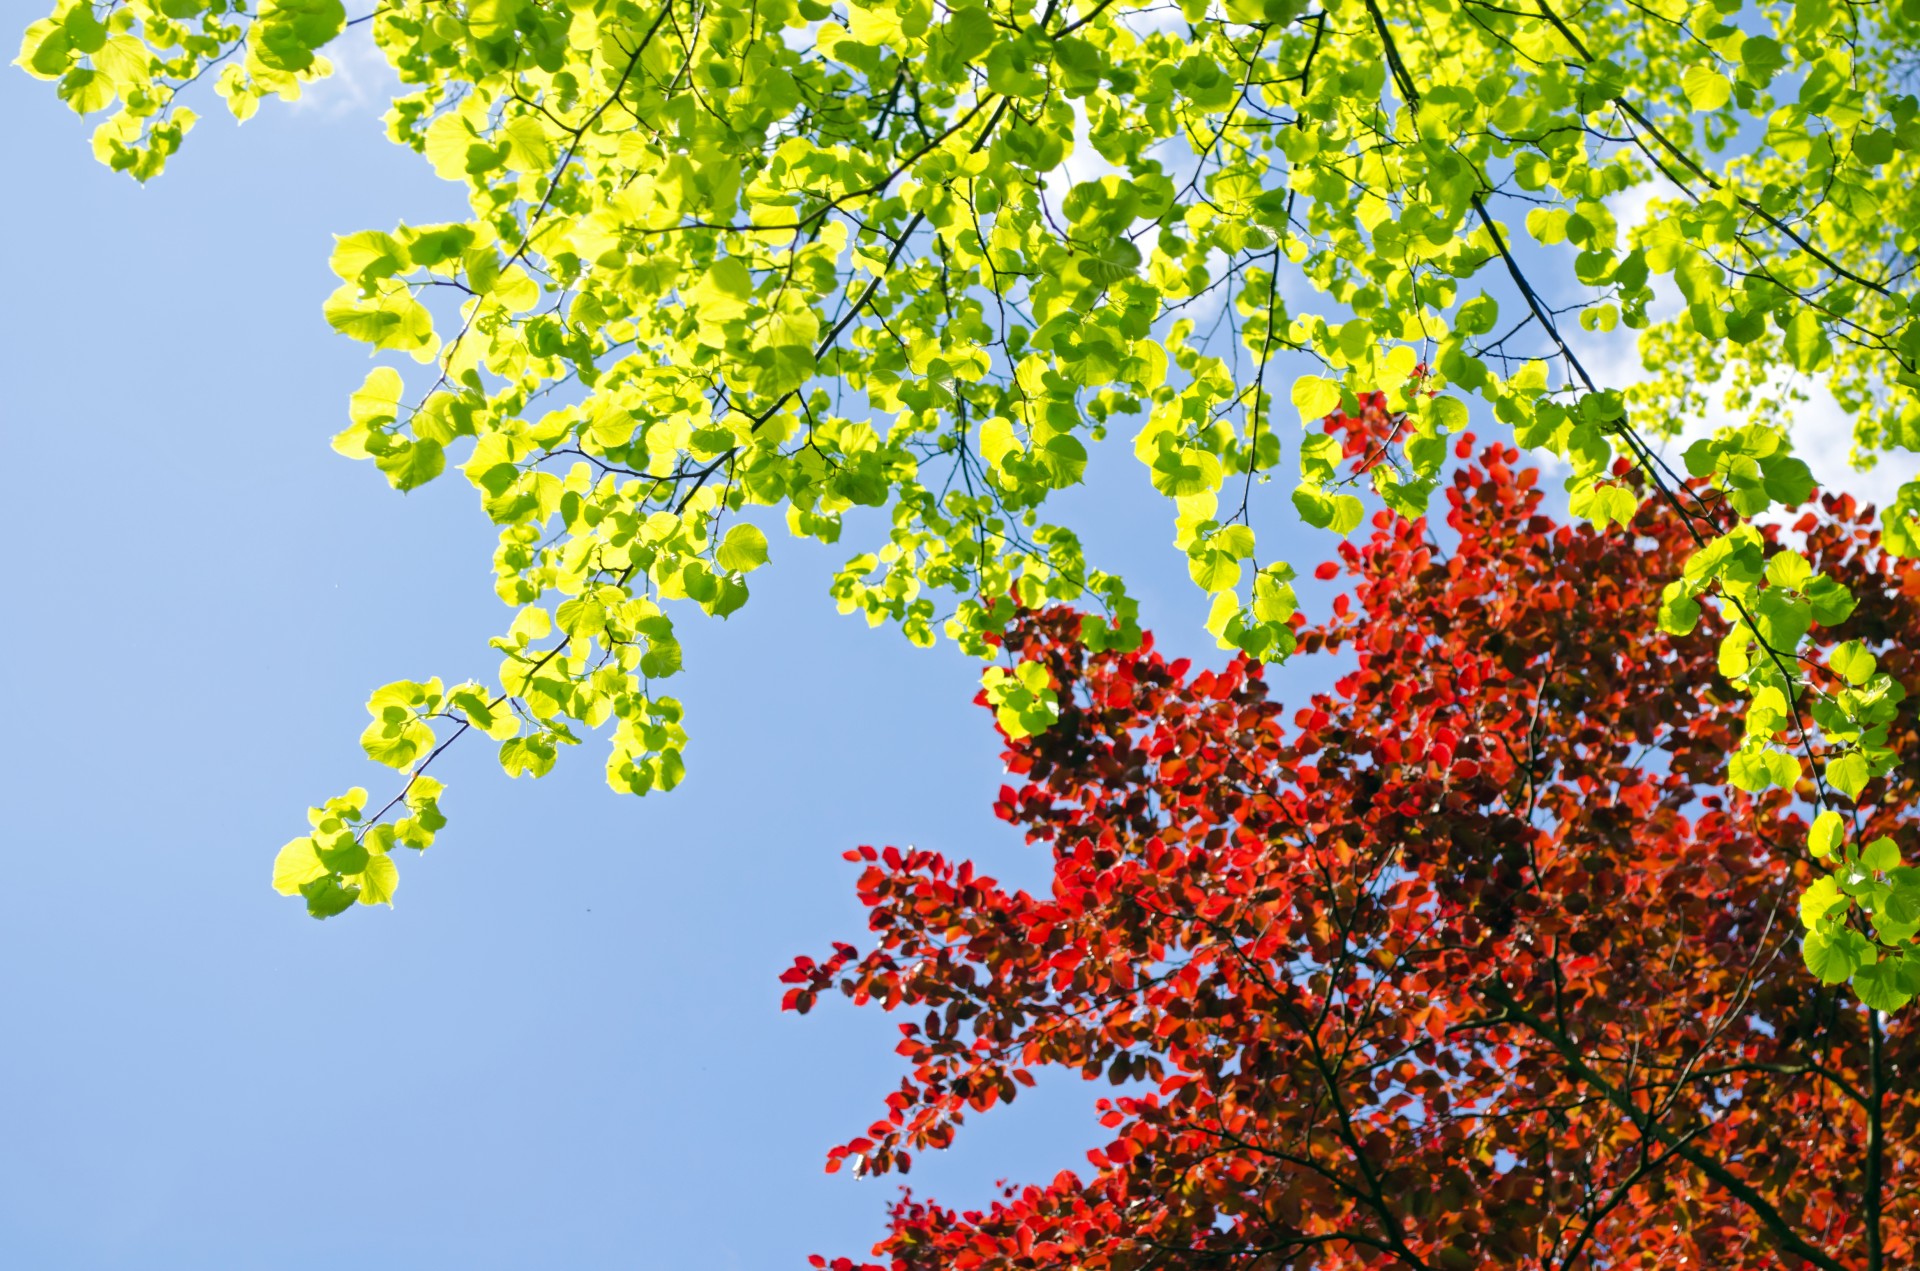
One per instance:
(564,1047)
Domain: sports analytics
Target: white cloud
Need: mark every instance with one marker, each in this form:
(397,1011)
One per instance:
(361,84)
(1822,432)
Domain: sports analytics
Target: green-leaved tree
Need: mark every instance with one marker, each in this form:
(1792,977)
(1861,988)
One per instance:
(804,256)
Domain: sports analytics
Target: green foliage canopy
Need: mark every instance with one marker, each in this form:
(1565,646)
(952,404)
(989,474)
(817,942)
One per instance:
(727,255)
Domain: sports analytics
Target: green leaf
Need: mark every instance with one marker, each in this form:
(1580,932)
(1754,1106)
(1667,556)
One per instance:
(1340,513)
(1900,523)
(327,897)
(295,866)
(1064,458)
(1788,569)
(411,464)
(1819,899)
(377,401)
(430,245)
(1874,146)
(1236,541)
(1826,833)
(1853,663)
(723,291)
(1315,397)
(1605,505)
(1848,774)
(1881,854)
(1213,570)
(1760,57)
(1273,598)
(970,31)
(1024,701)
(1882,987)
(1760,768)
(662,660)
(1183,471)
(46,51)
(1832,603)
(343,855)
(532,755)
(1679,611)
(1899,907)
(1787,480)
(1733,660)
(1449,414)
(389,319)
(581,617)
(997,441)
(85,90)
(1783,620)
(1706,88)
(1477,316)
(1806,344)
(493,19)
(1033,676)
(1835,956)
(1112,262)
(287,32)
(743,550)
(378,881)
(368,256)
(1319,455)
(397,738)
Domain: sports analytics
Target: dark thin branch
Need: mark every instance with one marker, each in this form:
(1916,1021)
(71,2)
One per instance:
(1783,1231)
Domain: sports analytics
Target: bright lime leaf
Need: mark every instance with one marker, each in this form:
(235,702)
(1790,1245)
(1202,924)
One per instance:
(1881,854)
(296,865)
(1835,956)
(1853,663)
(743,550)
(1315,397)
(1819,899)
(1826,834)
(1707,89)
(1848,774)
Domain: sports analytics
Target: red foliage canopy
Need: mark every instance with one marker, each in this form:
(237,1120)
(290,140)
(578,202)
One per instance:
(1470,964)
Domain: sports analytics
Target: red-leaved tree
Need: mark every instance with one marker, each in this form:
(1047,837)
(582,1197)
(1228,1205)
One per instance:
(1469,963)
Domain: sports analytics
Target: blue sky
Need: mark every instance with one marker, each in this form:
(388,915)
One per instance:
(564,1047)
